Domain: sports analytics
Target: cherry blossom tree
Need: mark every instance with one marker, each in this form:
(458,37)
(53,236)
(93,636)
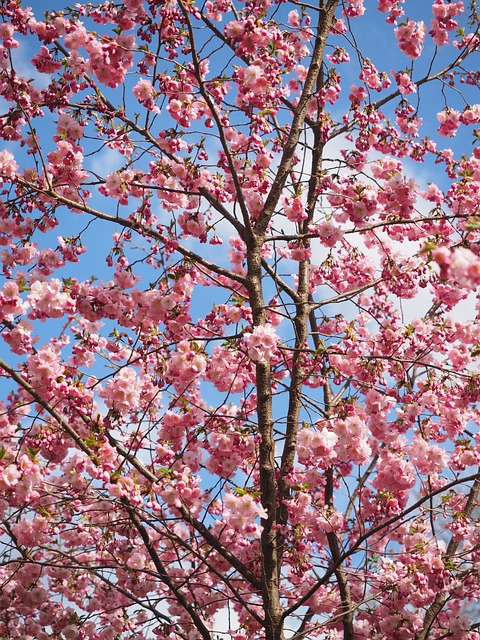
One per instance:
(239,320)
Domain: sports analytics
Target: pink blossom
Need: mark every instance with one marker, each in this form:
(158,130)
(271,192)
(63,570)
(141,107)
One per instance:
(49,299)
(394,473)
(357,94)
(241,513)
(386,6)
(19,338)
(28,532)
(8,166)
(294,18)
(158,304)
(6,32)
(186,363)
(301,72)
(44,63)
(76,38)
(69,128)
(471,114)
(262,342)
(328,233)
(316,447)
(449,122)
(145,93)
(253,79)
(294,209)
(428,458)
(404,82)
(441,10)
(122,392)
(9,477)
(143,90)
(45,367)
(411,36)
(354,8)
(10,300)
(465,268)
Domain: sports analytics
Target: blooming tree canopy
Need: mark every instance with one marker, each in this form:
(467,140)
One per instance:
(240,250)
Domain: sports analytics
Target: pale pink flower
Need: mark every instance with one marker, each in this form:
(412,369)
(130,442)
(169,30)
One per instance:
(449,122)
(8,166)
(327,232)
(465,267)
(294,18)
(262,342)
(122,392)
(294,209)
(428,458)
(242,512)
(234,29)
(49,300)
(9,476)
(405,84)
(45,367)
(145,93)
(76,38)
(69,127)
(411,36)
(316,447)
(186,364)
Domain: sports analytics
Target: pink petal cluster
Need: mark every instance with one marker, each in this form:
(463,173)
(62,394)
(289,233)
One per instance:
(316,447)
(122,392)
(410,37)
(261,342)
(241,512)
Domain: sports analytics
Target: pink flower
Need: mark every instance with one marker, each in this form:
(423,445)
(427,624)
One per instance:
(410,36)
(69,128)
(49,300)
(316,447)
(449,122)
(158,304)
(122,392)
(298,252)
(357,94)
(428,458)
(327,232)
(44,63)
(45,367)
(262,342)
(241,512)
(8,166)
(234,29)
(471,114)
(19,338)
(294,19)
(252,78)
(9,476)
(404,82)
(441,11)
(354,8)
(465,268)
(294,209)
(76,38)
(186,364)
(143,90)
(145,93)
(388,5)
(394,472)
(30,532)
